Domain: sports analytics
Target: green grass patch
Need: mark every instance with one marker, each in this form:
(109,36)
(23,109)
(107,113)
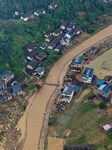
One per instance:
(87,107)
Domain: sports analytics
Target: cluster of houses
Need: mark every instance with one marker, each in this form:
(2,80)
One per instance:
(33,59)
(56,40)
(53,41)
(10,86)
(71,88)
(104,86)
(26,17)
(60,38)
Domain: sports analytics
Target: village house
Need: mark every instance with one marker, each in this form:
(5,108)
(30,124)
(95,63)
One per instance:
(58,39)
(52,6)
(41,56)
(100,82)
(2,84)
(2,98)
(70,34)
(32,64)
(55,42)
(63,25)
(39,72)
(17,13)
(68,92)
(16,89)
(32,56)
(49,39)
(40,12)
(108,79)
(57,32)
(52,45)
(88,75)
(79,147)
(48,34)
(65,41)
(30,47)
(59,49)
(77,30)
(107,1)
(93,50)
(43,46)
(77,64)
(104,90)
(21,79)
(7,76)
(107,127)
(27,17)
(71,26)
(5,95)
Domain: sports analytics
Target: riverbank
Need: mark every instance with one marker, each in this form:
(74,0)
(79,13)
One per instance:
(35,112)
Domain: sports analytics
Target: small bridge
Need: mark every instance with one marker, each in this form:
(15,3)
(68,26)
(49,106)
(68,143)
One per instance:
(51,84)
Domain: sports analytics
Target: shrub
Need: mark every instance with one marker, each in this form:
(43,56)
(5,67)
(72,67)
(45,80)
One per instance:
(102,105)
(38,86)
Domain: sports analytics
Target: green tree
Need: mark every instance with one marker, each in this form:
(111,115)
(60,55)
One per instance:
(102,105)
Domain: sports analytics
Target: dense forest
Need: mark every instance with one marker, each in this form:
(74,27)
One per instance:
(14,33)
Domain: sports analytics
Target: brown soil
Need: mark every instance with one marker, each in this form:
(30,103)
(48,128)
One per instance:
(55,143)
(102,64)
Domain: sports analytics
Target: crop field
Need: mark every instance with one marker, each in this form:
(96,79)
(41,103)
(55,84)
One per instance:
(102,64)
(83,125)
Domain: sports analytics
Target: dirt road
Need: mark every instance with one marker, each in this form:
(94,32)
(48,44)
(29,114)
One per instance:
(34,116)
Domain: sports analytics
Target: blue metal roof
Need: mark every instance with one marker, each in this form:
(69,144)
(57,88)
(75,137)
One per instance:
(106,89)
(69,89)
(76,88)
(71,32)
(100,82)
(79,60)
(39,70)
(16,88)
(88,72)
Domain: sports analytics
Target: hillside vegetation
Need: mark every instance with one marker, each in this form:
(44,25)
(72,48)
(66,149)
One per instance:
(15,33)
